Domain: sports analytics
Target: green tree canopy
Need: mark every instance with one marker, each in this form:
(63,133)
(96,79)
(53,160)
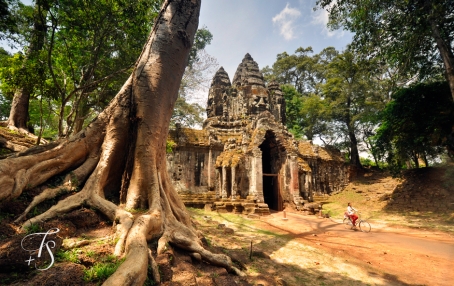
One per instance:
(416,124)
(415,36)
(301,75)
(7,19)
(301,69)
(352,94)
(333,96)
(293,106)
(83,56)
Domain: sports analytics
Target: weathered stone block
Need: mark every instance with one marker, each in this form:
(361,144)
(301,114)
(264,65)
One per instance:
(208,207)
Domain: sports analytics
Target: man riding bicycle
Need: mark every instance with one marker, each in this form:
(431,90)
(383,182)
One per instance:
(351,214)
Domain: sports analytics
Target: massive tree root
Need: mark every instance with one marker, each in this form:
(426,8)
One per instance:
(118,162)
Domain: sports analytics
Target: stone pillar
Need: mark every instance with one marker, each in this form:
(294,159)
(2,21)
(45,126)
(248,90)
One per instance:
(209,169)
(224,183)
(307,183)
(256,176)
(294,179)
(303,184)
(233,182)
(310,186)
(218,184)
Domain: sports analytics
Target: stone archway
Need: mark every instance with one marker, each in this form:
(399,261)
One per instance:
(271,166)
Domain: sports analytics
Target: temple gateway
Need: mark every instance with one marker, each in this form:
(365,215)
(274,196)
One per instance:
(244,160)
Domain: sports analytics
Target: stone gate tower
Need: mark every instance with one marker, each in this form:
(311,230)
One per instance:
(244,159)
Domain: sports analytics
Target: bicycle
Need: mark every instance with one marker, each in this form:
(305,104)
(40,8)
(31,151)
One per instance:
(363,225)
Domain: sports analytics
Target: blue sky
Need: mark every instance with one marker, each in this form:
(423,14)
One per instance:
(265,28)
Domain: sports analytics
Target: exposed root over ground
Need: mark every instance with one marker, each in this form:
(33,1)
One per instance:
(12,141)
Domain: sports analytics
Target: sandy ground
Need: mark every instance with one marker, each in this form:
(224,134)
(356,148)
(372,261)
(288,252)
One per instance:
(395,256)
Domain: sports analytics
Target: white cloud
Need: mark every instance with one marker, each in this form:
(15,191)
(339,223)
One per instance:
(320,17)
(286,21)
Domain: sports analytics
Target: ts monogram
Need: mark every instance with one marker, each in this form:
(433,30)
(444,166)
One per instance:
(47,244)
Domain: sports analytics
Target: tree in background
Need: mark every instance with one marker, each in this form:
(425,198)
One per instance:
(7,20)
(5,104)
(293,106)
(333,96)
(416,124)
(301,76)
(31,69)
(89,48)
(118,162)
(352,95)
(92,44)
(301,70)
(304,114)
(415,36)
(85,50)
(313,116)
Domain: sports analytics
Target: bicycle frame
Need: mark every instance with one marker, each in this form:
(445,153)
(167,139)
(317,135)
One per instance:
(363,225)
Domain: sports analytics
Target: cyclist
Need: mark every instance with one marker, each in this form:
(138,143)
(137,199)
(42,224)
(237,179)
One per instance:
(351,214)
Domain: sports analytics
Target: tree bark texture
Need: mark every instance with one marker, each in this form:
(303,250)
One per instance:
(121,155)
(18,116)
(446,54)
(354,153)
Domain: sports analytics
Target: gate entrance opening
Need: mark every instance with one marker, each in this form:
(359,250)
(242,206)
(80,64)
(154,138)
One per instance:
(270,169)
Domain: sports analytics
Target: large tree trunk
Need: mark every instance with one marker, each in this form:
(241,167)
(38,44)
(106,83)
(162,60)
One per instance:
(446,55)
(81,114)
(443,44)
(125,146)
(354,154)
(18,116)
(448,60)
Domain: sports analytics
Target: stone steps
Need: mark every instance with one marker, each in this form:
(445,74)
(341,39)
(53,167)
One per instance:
(320,198)
(208,201)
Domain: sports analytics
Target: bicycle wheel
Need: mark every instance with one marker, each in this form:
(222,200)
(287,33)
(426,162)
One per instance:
(364,226)
(347,223)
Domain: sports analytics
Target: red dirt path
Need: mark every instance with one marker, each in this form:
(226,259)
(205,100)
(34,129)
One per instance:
(406,256)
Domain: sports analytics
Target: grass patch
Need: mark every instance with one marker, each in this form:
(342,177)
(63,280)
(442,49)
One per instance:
(102,270)
(422,220)
(214,275)
(33,228)
(91,253)
(198,214)
(68,256)
(240,222)
(137,211)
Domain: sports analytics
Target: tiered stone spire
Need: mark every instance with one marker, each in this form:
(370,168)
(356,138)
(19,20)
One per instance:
(221,78)
(228,104)
(248,73)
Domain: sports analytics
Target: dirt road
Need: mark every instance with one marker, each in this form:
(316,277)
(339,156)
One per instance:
(403,256)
